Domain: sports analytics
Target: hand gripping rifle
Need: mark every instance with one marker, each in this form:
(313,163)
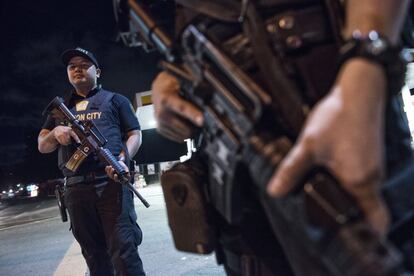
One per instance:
(92,141)
(247,132)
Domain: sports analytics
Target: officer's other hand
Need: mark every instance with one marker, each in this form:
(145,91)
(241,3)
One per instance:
(175,116)
(344,133)
(64,135)
(110,171)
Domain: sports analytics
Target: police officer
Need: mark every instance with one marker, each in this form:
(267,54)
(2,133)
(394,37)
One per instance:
(101,210)
(344,131)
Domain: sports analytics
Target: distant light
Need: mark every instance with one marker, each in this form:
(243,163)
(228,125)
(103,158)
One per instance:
(145,115)
(32,187)
(152,123)
(11,191)
(4,192)
(34,193)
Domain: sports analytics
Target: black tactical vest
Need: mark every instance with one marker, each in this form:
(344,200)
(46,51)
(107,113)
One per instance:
(99,109)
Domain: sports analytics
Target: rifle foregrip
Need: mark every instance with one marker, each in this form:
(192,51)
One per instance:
(110,159)
(122,173)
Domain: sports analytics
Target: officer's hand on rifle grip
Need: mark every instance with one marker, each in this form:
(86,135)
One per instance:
(175,116)
(64,135)
(349,142)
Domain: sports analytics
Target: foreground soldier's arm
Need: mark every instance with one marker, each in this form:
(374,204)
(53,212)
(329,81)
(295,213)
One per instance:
(172,112)
(345,130)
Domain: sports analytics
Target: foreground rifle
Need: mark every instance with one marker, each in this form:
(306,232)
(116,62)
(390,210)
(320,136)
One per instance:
(247,132)
(92,141)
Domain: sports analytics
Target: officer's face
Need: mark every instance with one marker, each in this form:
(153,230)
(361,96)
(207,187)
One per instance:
(82,72)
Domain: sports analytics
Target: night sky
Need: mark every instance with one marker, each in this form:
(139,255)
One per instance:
(34,34)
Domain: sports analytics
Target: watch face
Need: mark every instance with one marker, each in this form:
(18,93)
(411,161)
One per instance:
(377,46)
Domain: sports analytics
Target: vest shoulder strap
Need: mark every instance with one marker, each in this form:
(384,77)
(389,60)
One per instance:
(104,98)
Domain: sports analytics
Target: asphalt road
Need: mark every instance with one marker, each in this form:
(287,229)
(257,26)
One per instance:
(34,241)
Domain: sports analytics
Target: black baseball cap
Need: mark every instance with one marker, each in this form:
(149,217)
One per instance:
(78,52)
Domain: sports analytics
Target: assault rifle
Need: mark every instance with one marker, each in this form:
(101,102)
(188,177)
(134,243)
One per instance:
(92,141)
(247,132)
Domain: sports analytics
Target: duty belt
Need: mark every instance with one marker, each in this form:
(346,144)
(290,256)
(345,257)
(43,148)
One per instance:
(84,179)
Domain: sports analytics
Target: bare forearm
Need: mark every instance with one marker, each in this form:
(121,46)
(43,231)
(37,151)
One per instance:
(133,142)
(46,141)
(386,17)
(383,16)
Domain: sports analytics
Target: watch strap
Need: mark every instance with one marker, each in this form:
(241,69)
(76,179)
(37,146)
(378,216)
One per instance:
(377,48)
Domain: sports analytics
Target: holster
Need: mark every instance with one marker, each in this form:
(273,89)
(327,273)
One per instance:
(61,202)
(189,216)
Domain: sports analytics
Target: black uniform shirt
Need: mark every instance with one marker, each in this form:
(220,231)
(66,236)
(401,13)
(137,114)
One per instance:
(114,120)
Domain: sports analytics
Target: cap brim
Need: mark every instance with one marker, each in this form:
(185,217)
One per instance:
(68,54)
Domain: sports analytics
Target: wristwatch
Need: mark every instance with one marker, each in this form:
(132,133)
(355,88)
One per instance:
(377,48)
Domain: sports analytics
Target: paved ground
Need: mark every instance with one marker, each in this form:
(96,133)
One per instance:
(34,241)
(23,211)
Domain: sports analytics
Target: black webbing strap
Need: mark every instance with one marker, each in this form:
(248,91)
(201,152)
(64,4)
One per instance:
(284,93)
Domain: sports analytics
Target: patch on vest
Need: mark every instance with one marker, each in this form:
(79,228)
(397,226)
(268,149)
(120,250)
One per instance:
(81,106)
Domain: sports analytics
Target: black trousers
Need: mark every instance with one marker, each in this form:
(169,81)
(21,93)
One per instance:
(103,221)
(250,248)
